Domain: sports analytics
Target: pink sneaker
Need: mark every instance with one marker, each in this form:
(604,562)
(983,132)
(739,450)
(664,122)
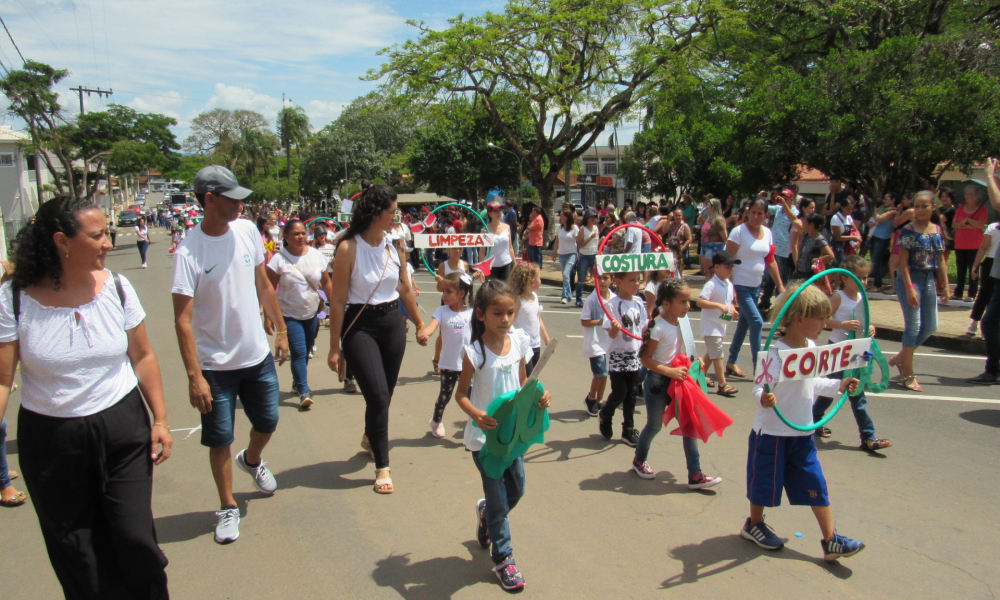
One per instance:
(701,481)
(437,429)
(642,469)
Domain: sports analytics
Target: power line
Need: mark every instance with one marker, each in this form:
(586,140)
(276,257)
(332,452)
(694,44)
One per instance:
(45,33)
(12,39)
(107,39)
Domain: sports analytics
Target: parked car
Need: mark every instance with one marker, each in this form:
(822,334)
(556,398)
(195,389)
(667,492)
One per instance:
(128,218)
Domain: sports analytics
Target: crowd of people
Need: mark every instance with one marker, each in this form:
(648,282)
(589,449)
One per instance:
(90,378)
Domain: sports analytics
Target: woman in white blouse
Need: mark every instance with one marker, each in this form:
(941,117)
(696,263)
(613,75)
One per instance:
(299,272)
(142,239)
(566,247)
(84,436)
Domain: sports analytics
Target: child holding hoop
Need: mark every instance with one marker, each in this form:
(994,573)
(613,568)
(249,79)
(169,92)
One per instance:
(525,279)
(628,314)
(846,305)
(782,457)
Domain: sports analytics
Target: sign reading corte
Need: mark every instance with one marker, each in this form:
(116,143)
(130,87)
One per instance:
(452,240)
(627,263)
(819,361)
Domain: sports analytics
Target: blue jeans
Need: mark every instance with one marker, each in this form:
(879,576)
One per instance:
(4,475)
(143,246)
(859,406)
(784,270)
(301,337)
(502,495)
(880,257)
(646,248)
(568,264)
(584,264)
(657,399)
(920,321)
(746,298)
(257,389)
(535,255)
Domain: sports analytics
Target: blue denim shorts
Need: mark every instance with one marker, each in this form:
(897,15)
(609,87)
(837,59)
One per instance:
(599,365)
(708,249)
(257,389)
(789,462)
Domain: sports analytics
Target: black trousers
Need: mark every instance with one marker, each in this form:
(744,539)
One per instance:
(623,393)
(91,482)
(374,349)
(501,273)
(964,259)
(985,289)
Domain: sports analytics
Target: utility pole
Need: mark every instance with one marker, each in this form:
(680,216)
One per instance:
(80,90)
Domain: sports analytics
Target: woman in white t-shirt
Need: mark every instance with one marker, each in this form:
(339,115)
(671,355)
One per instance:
(981,268)
(84,438)
(566,247)
(752,245)
(587,240)
(842,231)
(142,239)
(299,273)
(502,236)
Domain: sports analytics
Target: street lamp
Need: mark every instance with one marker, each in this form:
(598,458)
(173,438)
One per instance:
(520,169)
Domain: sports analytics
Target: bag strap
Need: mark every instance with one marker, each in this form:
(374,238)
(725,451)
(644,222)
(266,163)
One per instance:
(287,256)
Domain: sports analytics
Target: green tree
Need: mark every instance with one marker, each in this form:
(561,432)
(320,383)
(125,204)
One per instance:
(213,129)
(293,130)
(32,99)
(250,155)
(579,66)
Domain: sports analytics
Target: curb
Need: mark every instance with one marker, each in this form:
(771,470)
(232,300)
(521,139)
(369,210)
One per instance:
(963,344)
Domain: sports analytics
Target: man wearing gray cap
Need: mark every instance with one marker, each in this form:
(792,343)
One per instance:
(219,285)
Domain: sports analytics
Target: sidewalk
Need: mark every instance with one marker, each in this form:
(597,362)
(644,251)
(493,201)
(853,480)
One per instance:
(886,316)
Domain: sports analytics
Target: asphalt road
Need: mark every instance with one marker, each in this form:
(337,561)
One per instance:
(587,527)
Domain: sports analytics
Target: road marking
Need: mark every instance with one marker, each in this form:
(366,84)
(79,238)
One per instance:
(942,398)
(960,356)
(577,337)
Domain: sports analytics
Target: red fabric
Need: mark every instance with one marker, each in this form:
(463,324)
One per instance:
(696,416)
(969,239)
(770,255)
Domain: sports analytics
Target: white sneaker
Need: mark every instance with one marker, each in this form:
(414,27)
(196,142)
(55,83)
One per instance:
(263,480)
(564,301)
(228,527)
(143,265)
(437,429)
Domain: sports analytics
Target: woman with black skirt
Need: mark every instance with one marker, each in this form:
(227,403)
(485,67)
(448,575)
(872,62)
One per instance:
(370,281)
(87,448)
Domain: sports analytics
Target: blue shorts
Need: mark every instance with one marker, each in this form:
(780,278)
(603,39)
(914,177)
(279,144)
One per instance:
(599,365)
(708,249)
(789,462)
(257,389)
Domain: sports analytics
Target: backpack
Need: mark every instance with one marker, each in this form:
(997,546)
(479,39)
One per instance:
(16,297)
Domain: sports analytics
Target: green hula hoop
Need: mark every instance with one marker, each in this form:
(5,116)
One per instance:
(423,255)
(324,220)
(864,374)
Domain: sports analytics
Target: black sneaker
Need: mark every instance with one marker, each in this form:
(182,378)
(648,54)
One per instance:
(482,532)
(593,407)
(510,578)
(630,436)
(762,535)
(605,427)
(986,378)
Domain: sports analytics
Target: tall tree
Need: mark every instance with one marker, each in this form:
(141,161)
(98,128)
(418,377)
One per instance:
(293,130)
(219,126)
(32,99)
(579,65)
(251,155)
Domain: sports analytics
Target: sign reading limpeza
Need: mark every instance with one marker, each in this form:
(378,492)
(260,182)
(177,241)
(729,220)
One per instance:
(818,361)
(628,263)
(452,240)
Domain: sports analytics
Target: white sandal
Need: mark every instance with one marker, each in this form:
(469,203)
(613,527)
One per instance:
(382,481)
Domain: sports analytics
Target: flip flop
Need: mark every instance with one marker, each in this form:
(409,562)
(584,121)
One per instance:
(13,474)
(380,482)
(19,499)
(727,390)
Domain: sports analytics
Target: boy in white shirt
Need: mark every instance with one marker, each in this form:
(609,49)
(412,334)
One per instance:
(717,302)
(595,342)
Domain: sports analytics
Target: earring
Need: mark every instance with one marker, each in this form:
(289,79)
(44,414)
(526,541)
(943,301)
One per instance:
(67,254)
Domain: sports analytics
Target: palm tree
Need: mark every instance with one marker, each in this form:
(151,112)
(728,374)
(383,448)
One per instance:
(252,154)
(293,129)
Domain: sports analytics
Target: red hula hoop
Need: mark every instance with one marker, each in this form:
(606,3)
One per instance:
(600,248)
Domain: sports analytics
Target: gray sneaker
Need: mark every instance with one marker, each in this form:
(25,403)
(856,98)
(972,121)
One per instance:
(228,528)
(263,480)
(350,387)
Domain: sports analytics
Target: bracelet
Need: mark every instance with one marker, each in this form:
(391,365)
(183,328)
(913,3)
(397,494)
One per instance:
(420,325)
(280,332)
(911,286)
(163,425)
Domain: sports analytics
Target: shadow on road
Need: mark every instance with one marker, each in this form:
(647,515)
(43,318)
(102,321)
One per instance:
(428,441)
(627,482)
(731,551)
(11,446)
(592,445)
(570,416)
(188,526)
(434,578)
(984,416)
(827,444)
(328,475)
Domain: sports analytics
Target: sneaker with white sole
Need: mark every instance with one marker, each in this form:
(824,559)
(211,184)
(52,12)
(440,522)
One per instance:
(510,578)
(305,401)
(642,469)
(841,547)
(701,481)
(482,531)
(228,527)
(350,387)
(437,428)
(762,535)
(263,480)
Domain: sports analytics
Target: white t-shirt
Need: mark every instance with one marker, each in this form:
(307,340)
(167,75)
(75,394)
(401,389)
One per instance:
(752,253)
(668,341)
(654,221)
(143,233)
(529,319)
(722,292)
(993,230)
(298,286)
(74,361)
(275,234)
(456,332)
(219,273)
(595,339)
(795,399)
(590,247)
(567,239)
(494,378)
(845,222)
(623,351)
(845,312)
(633,235)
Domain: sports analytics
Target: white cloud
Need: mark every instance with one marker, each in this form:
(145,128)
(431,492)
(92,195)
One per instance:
(165,104)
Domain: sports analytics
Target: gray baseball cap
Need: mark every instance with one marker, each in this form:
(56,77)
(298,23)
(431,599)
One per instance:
(221,181)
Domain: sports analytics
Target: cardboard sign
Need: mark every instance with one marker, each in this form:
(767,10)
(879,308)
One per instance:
(328,253)
(820,361)
(347,206)
(628,263)
(452,240)
(344,217)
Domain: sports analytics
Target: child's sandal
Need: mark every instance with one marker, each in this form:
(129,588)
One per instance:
(711,384)
(437,370)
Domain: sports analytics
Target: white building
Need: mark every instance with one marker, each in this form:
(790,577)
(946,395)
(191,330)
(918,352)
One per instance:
(22,175)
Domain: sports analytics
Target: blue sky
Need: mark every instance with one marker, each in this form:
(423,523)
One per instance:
(182,57)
